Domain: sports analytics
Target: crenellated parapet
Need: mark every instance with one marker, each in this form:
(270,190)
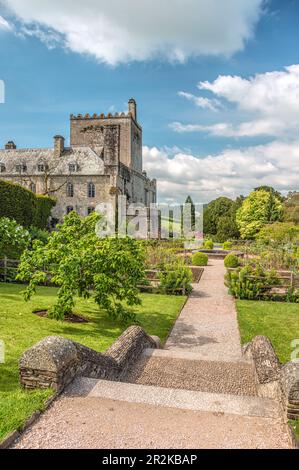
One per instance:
(87,117)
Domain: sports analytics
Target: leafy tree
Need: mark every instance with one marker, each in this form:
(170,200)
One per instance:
(279,232)
(220,218)
(38,234)
(269,189)
(227,228)
(14,239)
(291,208)
(216,209)
(81,264)
(261,207)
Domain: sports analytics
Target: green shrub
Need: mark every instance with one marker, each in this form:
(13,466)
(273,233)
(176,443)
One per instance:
(250,282)
(38,234)
(208,245)
(227,246)
(14,239)
(231,261)
(24,206)
(200,259)
(175,277)
(293,295)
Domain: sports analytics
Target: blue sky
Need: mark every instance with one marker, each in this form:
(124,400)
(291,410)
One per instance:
(49,74)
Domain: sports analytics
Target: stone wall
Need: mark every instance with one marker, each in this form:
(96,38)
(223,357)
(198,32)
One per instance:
(55,361)
(273,379)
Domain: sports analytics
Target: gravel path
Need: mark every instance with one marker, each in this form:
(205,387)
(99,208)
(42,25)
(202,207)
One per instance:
(208,322)
(109,424)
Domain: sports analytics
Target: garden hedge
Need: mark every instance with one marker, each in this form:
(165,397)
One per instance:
(24,206)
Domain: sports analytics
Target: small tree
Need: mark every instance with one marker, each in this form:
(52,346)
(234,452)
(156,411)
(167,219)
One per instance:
(81,264)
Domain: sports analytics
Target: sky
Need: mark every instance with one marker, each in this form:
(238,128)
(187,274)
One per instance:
(216,83)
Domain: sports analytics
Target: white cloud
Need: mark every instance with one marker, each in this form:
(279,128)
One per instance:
(4,25)
(231,173)
(270,100)
(224,129)
(121,31)
(201,102)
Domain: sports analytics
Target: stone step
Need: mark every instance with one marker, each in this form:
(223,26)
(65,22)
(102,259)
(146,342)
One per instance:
(180,372)
(193,356)
(174,398)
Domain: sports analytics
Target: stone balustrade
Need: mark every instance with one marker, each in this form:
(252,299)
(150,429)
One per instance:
(55,361)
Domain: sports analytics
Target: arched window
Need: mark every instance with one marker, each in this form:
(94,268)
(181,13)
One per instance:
(2,168)
(90,210)
(69,209)
(70,190)
(91,190)
(33,187)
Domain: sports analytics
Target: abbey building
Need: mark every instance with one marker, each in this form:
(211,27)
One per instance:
(104,160)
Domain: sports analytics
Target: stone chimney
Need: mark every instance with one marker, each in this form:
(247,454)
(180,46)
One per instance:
(10,145)
(133,108)
(58,145)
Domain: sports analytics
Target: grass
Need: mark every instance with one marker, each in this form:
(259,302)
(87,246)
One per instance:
(20,329)
(295,426)
(279,321)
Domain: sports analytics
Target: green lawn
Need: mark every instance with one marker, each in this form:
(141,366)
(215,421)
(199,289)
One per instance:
(20,329)
(295,426)
(279,321)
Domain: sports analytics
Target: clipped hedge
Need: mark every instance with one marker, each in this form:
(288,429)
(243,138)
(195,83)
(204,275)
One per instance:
(44,205)
(231,261)
(200,259)
(208,245)
(22,205)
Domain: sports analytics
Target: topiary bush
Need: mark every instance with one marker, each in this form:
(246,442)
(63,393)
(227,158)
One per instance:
(231,261)
(200,259)
(208,245)
(227,246)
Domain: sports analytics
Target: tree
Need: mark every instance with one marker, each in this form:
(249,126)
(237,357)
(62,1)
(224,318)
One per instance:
(216,209)
(261,207)
(14,239)
(279,232)
(81,264)
(269,189)
(220,218)
(291,208)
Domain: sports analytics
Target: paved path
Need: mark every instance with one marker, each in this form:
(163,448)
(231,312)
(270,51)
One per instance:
(217,409)
(208,323)
(100,423)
